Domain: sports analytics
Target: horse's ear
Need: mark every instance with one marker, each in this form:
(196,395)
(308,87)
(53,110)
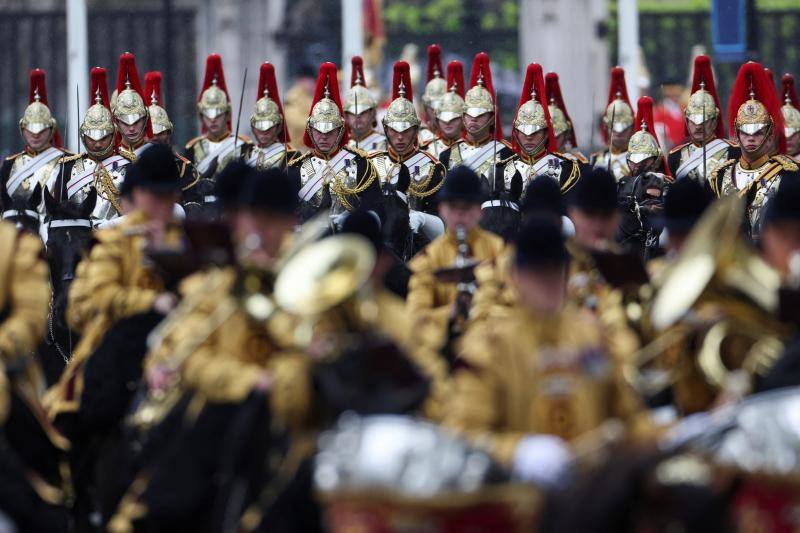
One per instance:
(515,189)
(499,180)
(49,202)
(88,203)
(36,197)
(5,199)
(403,179)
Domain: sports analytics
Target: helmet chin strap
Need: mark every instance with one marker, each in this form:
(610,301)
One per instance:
(767,137)
(102,153)
(482,129)
(537,149)
(411,147)
(335,147)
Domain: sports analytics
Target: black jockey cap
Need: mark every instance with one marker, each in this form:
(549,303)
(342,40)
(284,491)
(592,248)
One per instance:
(462,184)
(155,170)
(540,244)
(543,196)
(595,192)
(364,223)
(784,206)
(229,184)
(685,202)
(269,190)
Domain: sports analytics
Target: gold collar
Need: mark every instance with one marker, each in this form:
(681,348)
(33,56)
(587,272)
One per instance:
(758,163)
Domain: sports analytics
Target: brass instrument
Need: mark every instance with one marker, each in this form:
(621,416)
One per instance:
(718,301)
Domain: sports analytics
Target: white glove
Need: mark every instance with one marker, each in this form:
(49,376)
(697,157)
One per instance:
(567,227)
(542,459)
(431,226)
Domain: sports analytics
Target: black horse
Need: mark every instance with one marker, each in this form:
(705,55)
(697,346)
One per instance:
(69,237)
(22,212)
(397,234)
(501,213)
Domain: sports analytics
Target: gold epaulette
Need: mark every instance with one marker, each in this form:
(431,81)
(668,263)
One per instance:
(182,159)
(298,158)
(506,143)
(376,153)
(678,148)
(14,156)
(245,138)
(786,162)
(507,159)
(356,151)
(194,141)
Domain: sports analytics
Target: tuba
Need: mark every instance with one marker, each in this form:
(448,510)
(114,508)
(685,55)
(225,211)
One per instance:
(715,312)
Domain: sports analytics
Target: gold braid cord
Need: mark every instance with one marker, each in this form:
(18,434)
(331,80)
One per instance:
(422,190)
(341,190)
(573,178)
(715,176)
(104,184)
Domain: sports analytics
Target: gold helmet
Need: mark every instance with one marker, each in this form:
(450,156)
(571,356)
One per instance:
(618,116)
(530,116)
(214,99)
(98,122)
(752,116)
(643,144)
(326,113)
(436,86)
(129,107)
(701,107)
(159,119)
(751,92)
(557,118)
(452,105)
(791,118)
(37,116)
(266,113)
(401,114)
(358,98)
(478,100)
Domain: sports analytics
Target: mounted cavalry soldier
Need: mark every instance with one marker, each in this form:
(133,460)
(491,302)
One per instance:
(534,142)
(162,129)
(360,109)
(270,147)
(563,129)
(757,123)
(98,170)
(483,145)
(707,147)
(212,150)
(332,175)
(450,113)
(403,156)
(22,172)
(791,117)
(131,117)
(435,88)
(618,126)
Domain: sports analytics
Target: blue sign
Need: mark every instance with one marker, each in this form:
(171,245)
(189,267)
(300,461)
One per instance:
(729,29)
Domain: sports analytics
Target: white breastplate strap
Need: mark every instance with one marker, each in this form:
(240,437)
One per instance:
(500,203)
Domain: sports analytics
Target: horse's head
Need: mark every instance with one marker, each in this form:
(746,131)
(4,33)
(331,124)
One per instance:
(396,230)
(69,236)
(501,214)
(22,212)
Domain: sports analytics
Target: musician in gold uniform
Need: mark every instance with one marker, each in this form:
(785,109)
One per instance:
(115,281)
(540,372)
(617,128)
(755,123)
(707,147)
(460,207)
(450,113)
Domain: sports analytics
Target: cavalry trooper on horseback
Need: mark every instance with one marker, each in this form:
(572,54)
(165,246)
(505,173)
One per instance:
(563,128)
(332,175)
(435,89)
(707,147)
(617,128)
(270,147)
(403,166)
(791,117)
(360,109)
(450,113)
(483,145)
(21,173)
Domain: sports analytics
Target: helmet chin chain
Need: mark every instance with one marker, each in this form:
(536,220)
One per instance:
(767,137)
(537,149)
(316,146)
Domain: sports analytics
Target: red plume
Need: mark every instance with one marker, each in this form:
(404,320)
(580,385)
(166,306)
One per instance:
(38,85)
(214,71)
(553,96)
(455,76)
(753,78)
(127,73)
(644,114)
(616,89)
(703,74)
(534,87)
(326,78)
(402,73)
(268,84)
(770,75)
(480,67)
(789,92)
(435,69)
(99,84)
(152,88)
(357,72)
